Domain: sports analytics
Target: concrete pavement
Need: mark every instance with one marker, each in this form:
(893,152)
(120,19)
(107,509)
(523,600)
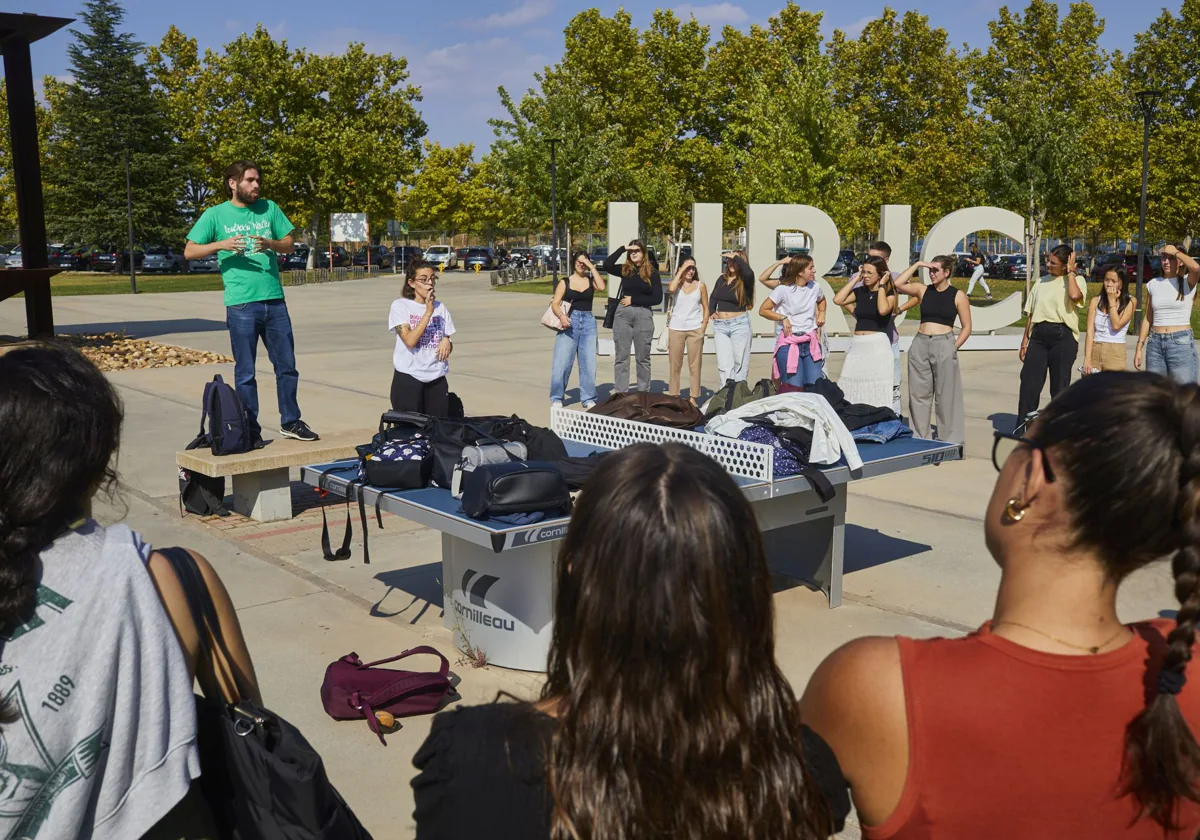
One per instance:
(916,563)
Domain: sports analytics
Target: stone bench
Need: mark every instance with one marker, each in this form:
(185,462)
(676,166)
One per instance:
(262,487)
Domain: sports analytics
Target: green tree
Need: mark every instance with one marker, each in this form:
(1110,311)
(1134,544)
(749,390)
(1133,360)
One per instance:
(452,192)
(44,115)
(109,111)
(1037,88)
(905,90)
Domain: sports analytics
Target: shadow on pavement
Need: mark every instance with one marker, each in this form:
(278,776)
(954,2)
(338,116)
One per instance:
(422,585)
(867,548)
(147,329)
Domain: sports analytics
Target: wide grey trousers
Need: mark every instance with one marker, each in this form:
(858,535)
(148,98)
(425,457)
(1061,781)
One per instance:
(933,375)
(633,328)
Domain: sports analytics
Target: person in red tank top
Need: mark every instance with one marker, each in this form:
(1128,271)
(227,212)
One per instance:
(1053,719)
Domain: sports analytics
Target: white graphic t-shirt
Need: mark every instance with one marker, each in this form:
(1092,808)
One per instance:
(420,362)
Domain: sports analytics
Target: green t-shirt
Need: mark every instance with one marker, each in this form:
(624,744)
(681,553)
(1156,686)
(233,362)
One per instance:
(252,276)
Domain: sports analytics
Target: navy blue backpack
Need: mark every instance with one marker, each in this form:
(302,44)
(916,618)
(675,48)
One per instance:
(229,424)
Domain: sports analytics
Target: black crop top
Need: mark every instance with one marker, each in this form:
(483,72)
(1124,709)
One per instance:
(723,297)
(481,773)
(938,307)
(866,312)
(580,301)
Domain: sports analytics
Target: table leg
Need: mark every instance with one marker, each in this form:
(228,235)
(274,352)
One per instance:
(264,496)
(804,538)
(500,607)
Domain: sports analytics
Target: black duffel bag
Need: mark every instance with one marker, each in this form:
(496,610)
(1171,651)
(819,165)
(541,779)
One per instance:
(514,487)
(399,457)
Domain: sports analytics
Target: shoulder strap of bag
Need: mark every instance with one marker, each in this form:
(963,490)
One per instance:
(443,671)
(342,553)
(209,387)
(204,616)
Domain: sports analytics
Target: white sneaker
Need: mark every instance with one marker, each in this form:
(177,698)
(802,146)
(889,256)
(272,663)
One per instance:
(556,403)
(588,406)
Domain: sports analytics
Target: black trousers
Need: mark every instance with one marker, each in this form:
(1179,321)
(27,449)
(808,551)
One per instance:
(409,394)
(1052,350)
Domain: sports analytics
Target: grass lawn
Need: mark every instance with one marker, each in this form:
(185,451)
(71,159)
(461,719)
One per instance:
(89,283)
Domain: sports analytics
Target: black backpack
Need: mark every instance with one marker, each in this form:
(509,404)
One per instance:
(229,424)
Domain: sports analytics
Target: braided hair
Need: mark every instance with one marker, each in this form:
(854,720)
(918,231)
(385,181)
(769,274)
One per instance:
(62,423)
(1150,427)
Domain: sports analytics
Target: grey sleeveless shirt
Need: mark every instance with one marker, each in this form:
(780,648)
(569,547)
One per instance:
(105,744)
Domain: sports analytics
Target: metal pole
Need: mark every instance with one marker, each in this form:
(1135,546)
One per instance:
(129,213)
(1141,261)
(554,208)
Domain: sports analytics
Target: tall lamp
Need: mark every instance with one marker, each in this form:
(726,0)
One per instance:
(554,141)
(1148,102)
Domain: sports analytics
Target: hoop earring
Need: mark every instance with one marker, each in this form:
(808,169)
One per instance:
(1014,511)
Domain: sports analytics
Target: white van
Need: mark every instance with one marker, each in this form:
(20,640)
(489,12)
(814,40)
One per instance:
(442,255)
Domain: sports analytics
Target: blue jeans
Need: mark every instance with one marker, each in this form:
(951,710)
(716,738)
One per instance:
(577,340)
(732,339)
(266,319)
(807,372)
(1173,355)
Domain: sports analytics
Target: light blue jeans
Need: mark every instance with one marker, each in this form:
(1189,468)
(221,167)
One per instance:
(732,339)
(1173,355)
(577,340)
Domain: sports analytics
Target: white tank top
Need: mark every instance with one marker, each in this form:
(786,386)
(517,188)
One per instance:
(686,313)
(1169,311)
(1104,331)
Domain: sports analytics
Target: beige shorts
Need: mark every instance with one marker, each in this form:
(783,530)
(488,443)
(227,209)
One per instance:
(1108,356)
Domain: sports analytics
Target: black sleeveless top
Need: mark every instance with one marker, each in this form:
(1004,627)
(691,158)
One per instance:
(866,312)
(938,307)
(580,301)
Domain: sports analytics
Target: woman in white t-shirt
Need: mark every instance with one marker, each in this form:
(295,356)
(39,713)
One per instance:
(1165,340)
(798,303)
(686,326)
(423,328)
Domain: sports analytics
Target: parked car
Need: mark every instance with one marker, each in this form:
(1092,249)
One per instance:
(13,258)
(295,261)
(404,254)
(341,257)
(461,253)
(209,264)
(1008,267)
(115,258)
(485,258)
(164,259)
(381,256)
(522,256)
(67,257)
(845,265)
(598,255)
(441,256)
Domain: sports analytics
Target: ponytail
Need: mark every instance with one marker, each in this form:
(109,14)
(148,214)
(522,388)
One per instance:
(1162,758)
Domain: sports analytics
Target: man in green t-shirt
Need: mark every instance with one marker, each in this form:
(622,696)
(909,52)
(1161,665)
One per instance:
(245,233)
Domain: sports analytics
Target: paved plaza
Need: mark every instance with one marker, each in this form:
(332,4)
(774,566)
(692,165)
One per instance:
(915,557)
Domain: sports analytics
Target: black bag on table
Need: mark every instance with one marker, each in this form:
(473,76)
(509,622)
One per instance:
(261,778)
(514,487)
(399,457)
(735,395)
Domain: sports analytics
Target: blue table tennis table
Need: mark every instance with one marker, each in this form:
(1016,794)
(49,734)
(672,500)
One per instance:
(498,579)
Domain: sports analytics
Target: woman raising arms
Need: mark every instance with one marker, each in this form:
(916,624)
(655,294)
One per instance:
(577,338)
(798,305)
(1171,346)
(933,371)
(1108,319)
(729,307)
(867,369)
(689,321)
(633,325)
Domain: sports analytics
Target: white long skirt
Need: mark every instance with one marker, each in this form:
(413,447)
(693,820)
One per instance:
(867,371)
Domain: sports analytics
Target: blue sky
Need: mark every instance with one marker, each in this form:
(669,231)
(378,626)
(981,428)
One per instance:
(460,50)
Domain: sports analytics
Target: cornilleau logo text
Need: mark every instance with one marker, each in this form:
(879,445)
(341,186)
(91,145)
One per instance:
(549,532)
(477,594)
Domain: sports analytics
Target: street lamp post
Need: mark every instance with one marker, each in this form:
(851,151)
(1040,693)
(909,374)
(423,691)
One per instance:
(1147,101)
(129,216)
(554,141)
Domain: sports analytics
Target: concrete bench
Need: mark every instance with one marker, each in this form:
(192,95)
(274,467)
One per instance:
(262,487)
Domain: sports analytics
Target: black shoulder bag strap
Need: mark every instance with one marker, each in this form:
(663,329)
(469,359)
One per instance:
(342,553)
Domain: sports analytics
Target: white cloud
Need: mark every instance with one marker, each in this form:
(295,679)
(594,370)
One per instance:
(855,29)
(233,25)
(521,15)
(714,14)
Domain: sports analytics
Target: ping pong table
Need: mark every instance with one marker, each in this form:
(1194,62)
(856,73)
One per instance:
(498,579)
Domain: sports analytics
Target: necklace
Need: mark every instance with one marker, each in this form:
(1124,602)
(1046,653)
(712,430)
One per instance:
(1092,649)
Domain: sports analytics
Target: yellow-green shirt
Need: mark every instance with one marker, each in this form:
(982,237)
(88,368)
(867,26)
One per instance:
(1048,301)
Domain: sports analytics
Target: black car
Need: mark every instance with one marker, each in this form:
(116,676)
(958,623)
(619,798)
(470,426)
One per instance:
(380,256)
(1008,267)
(598,255)
(68,258)
(341,257)
(485,258)
(404,254)
(297,260)
(113,258)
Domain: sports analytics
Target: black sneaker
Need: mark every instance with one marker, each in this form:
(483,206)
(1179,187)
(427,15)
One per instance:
(299,431)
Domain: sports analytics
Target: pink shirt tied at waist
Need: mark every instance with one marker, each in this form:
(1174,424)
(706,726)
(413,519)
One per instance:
(793,342)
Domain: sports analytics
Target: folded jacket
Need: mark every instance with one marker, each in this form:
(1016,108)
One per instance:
(793,342)
(882,432)
(831,438)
